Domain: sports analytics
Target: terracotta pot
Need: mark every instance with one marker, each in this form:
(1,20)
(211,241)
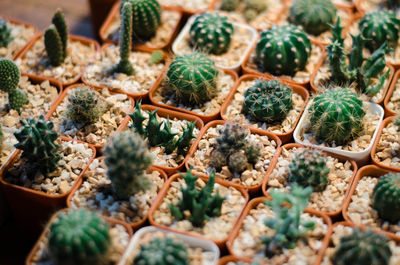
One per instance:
(205,118)
(333,215)
(225,260)
(252,189)
(83,40)
(162,194)
(165,113)
(189,12)
(252,205)
(285,137)
(98,12)
(35,249)
(392,88)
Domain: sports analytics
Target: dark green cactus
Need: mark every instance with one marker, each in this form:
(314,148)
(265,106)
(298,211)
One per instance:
(283,50)
(268,101)
(17,99)
(201,204)
(79,237)
(192,78)
(386,197)
(362,247)
(229,5)
(59,22)
(253,8)
(56,39)
(5,34)
(308,168)
(211,33)
(9,79)
(127,158)
(37,139)
(162,251)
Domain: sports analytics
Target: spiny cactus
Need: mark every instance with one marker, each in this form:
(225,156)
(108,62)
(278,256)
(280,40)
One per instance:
(283,50)
(9,79)
(268,101)
(192,78)
(314,16)
(237,162)
(5,34)
(211,33)
(36,139)
(362,247)
(287,224)
(229,5)
(386,197)
(56,39)
(125,41)
(162,251)
(252,8)
(232,137)
(79,237)
(201,204)
(127,158)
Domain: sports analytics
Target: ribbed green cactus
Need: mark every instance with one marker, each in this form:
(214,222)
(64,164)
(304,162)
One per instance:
(252,8)
(79,237)
(56,39)
(9,79)
(386,197)
(84,106)
(192,78)
(127,158)
(162,251)
(125,41)
(211,33)
(5,34)
(283,50)
(36,139)
(336,116)
(229,5)
(362,247)
(58,21)
(268,101)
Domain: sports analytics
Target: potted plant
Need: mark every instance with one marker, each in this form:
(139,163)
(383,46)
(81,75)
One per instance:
(391,102)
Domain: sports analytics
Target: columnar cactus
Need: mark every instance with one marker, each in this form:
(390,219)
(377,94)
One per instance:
(84,106)
(386,197)
(192,78)
(252,8)
(56,39)
(79,237)
(5,34)
(268,101)
(314,16)
(336,116)
(127,158)
(283,50)
(125,41)
(362,247)
(230,5)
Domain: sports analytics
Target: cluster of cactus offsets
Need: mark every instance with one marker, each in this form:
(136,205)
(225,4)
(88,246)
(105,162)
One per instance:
(146,15)
(378,27)
(56,39)
(192,78)
(162,251)
(125,41)
(84,106)
(314,16)
(5,34)
(36,139)
(308,168)
(127,158)
(362,247)
(268,101)
(1,137)
(252,8)
(79,237)
(386,197)
(201,204)
(283,50)
(211,33)
(9,79)
(287,224)
(336,116)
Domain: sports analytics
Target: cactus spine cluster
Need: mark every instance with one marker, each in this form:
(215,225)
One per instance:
(268,101)
(9,79)
(125,41)
(56,39)
(283,50)
(362,247)
(79,237)
(386,197)
(5,34)
(127,158)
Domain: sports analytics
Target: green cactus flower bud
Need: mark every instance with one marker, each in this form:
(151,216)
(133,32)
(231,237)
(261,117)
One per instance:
(386,197)
(5,34)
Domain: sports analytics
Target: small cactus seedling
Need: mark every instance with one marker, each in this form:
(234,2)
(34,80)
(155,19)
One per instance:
(201,204)
(362,247)
(386,197)
(162,251)
(5,34)
(156,57)
(79,237)
(252,8)
(229,5)
(127,158)
(125,41)
(56,39)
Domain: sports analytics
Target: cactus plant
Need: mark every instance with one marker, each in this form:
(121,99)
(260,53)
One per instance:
(314,16)
(37,139)
(79,237)
(125,41)
(162,251)
(252,8)
(5,34)
(268,101)
(386,197)
(156,57)
(362,247)
(283,50)
(229,5)
(232,138)
(127,158)
(237,162)
(56,39)
(192,78)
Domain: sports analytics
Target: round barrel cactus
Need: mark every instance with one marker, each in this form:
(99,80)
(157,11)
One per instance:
(386,197)
(283,50)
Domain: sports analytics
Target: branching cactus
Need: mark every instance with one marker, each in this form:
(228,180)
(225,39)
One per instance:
(288,226)
(125,41)
(229,5)
(127,158)
(268,101)
(252,8)
(314,16)
(56,39)
(386,197)
(362,247)
(283,50)
(5,34)
(79,237)
(162,251)
(192,78)
(9,79)
(211,33)
(37,139)
(84,106)
(201,204)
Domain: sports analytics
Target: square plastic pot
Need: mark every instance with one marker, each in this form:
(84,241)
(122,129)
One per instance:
(388,111)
